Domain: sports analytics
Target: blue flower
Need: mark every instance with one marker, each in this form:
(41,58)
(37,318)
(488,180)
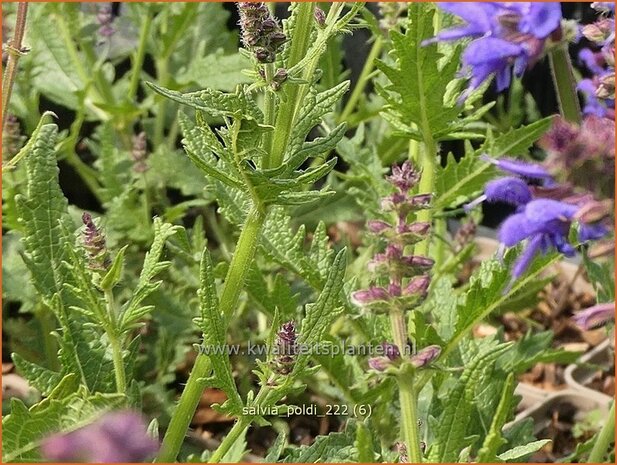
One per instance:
(507,35)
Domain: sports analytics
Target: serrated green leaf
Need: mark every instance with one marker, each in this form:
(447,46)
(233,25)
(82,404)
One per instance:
(38,377)
(63,411)
(486,292)
(494,440)
(364,444)
(114,274)
(520,452)
(517,141)
(44,215)
(321,314)
(151,267)
(214,333)
(333,448)
(452,427)
(215,103)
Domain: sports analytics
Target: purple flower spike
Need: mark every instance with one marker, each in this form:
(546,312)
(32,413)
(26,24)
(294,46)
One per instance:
(509,190)
(595,316)
(116,437)
(521,168)
(426,356)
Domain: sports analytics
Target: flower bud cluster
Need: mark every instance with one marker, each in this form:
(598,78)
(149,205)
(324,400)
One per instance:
(139,153)
(285,348)
(261,32)
(408,275)
(95,244)
(392,357)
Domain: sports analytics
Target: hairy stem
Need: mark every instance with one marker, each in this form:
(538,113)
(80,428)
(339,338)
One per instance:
(234,281)
(183,414)
(605,437)
(269,115)
(138,59)
(300,42)
(14,52)
(565,83)
(407,395)
(231,438)
(363,79)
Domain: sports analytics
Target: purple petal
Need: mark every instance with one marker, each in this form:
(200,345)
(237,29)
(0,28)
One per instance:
(520,168)
(597,315)
(542,19)
(478,15)
(370,295)
(426,356)
(509,190)
(514,230)
(526,257)
(543,213)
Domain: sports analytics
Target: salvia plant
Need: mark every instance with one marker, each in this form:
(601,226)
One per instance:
(216,227)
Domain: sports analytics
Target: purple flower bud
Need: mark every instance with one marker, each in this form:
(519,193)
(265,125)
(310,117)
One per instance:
(426,356)
(369,296)
(115,437)
(421,200)
(597,315)
(105,18)
(320,17)
(95,244)
(390,350)
(404,177)
(377,226)
(379,363)
(418,285)
(285,348)
(418,262)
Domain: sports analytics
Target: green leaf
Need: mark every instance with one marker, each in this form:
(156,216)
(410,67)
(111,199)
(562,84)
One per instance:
(487,292)
(321,314)
(152,266)
(333,448)
(214,334)
(44,215)
(517,141)
(418,79)
(494,440)
(66,409)
(364,444)
(38,377)
(452,427)
(215,71)
(521,452)
(114,274)
(215,103)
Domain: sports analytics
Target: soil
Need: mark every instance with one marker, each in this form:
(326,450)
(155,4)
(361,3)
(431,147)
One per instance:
(604,381)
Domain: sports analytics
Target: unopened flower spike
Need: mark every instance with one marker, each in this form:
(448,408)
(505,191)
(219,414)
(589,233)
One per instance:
(285,349)
(105,18)
(94,242)
(139,153)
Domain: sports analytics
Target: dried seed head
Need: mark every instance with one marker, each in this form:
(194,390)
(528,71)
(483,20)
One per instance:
(320,17)
(260,31)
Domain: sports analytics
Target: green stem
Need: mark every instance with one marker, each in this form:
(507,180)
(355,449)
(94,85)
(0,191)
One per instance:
(14,52)
(300,42)
(241,261)
(407,395)
(409,416)
(604,439)
(140,55)
(162,74)
(239,267)
(183,414)
(363,79)
(565,83)
(230,439)
(115,343)
(269,115)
